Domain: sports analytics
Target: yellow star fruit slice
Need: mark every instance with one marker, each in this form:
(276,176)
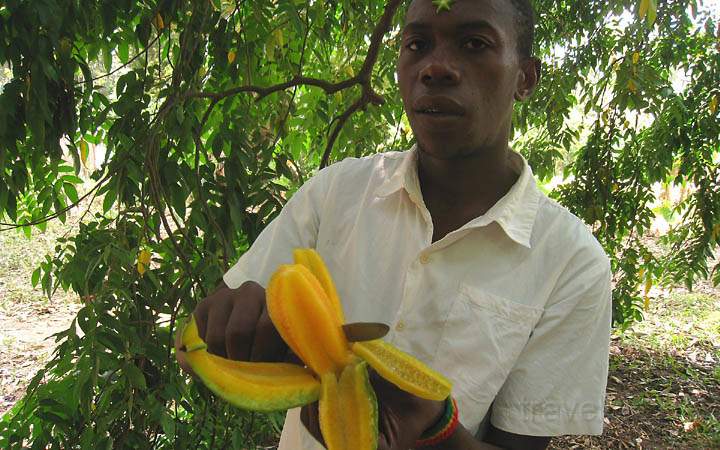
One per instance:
(403,370)
(300,310)
(191,339)
(360,412)
(312,260)
(332,426)
(348,410)
(256,386)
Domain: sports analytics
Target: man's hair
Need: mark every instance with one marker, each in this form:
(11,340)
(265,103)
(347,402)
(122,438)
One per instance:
(525,22)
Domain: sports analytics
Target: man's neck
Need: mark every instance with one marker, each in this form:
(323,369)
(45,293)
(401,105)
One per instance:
(457,190)
(466,180)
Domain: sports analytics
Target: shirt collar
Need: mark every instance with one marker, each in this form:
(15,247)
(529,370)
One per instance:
(515,212)
(400,176)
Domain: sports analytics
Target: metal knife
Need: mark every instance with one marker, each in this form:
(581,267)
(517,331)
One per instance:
(365,331)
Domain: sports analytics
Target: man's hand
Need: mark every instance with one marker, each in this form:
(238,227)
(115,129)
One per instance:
(235,324)
(402,417)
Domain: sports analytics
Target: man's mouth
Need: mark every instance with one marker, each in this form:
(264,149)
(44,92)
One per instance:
(438,106)
(435,112)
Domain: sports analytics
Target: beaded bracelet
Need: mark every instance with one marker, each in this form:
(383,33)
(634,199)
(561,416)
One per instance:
(444,428)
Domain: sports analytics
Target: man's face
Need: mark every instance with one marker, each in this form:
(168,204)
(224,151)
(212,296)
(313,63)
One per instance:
(459,72)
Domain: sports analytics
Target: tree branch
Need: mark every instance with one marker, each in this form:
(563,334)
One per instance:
(262,92)
(368,94)
(363,78)
(11,226)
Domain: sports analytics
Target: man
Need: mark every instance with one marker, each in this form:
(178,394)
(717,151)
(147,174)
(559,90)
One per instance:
(478,273)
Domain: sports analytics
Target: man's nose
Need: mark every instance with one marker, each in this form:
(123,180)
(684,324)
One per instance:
(439,71)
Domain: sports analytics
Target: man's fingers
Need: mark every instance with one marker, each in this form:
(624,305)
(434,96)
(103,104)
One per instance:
(201,317)
(203,309)
(240,329)
(216,324)
(267,345)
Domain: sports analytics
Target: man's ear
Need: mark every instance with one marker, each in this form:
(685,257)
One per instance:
(528,79)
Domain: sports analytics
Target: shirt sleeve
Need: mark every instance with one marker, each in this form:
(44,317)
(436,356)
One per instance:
(557,385)
(296,226)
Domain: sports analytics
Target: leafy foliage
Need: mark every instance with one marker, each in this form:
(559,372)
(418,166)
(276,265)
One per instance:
(218,110)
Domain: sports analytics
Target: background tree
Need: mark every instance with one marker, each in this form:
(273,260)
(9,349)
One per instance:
(212,113)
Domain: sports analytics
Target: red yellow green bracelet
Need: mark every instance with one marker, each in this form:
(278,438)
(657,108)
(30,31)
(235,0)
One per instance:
(444,428)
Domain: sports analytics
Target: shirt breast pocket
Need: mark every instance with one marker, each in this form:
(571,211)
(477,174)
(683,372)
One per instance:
(482,338)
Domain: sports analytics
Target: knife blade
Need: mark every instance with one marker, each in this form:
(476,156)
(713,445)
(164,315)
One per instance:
(365,331)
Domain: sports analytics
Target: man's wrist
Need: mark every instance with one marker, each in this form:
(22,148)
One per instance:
(438,409)
(442,427)
(462,439)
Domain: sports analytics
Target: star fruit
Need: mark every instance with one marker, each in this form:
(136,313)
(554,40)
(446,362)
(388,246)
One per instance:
(305,308)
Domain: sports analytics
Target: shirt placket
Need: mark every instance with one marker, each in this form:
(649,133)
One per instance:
(412,289)
(412,283)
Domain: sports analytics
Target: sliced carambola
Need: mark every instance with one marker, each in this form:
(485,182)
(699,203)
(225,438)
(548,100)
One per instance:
(348,410)
(330,413)
(191,339)
(312,260)
(250,385)
(357,397)
(255,386)
(403,370)
(299,309)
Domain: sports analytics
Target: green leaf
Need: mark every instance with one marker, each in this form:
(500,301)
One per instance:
(35,277)
(135,375)
(123,52)
(71,192)
(72,179)
(60,207)
(652,12)
(109,200)
(107,57)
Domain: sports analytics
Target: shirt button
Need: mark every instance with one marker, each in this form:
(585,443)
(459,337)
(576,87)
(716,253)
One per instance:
(400,326)
(424,258)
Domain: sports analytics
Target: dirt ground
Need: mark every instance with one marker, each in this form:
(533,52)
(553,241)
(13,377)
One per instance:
(27,344)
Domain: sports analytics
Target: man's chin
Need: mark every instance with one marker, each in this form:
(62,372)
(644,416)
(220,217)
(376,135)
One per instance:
(437,143)
(441,151)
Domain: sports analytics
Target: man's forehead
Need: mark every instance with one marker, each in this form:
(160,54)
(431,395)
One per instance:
(463,14)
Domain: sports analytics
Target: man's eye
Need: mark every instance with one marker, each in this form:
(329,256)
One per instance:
(415,45)
(475,44)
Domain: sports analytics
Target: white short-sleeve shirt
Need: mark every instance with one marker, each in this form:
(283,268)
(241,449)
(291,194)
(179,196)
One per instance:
(514,307)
